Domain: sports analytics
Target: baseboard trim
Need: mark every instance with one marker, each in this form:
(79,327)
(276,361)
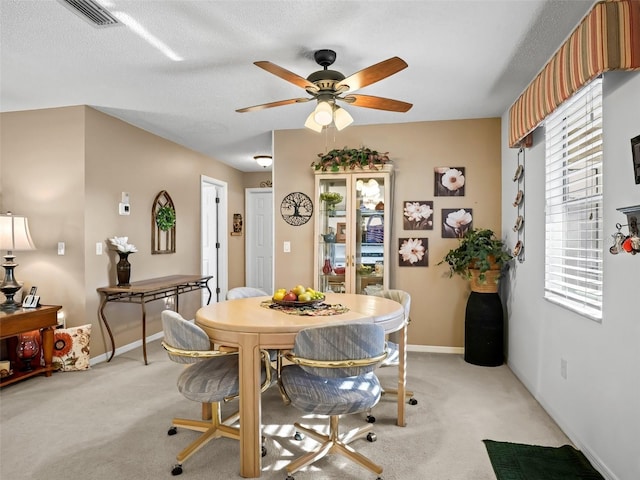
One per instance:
(125,348)
(435,349)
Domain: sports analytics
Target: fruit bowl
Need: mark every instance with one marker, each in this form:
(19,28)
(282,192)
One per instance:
(296,303)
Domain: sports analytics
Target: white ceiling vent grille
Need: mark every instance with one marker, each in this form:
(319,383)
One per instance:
(92,12)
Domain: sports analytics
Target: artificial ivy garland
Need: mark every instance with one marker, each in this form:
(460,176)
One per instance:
(165,218)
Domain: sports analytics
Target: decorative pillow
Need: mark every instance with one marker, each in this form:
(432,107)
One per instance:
(71,348)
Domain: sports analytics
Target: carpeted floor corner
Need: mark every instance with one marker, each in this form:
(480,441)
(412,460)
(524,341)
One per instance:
(517,461)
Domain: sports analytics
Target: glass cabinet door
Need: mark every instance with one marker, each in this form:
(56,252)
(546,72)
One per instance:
(333,203)
(369,241)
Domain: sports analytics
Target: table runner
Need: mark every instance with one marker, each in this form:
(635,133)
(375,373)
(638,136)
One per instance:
(317,310)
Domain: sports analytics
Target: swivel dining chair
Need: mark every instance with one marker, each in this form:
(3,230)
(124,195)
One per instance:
(245,292)
(211,377)
(332,373)
(396,345)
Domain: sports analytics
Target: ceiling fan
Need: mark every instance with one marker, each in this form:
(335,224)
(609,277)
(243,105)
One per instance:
(330,86)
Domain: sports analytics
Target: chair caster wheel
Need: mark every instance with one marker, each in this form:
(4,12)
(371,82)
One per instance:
(371,419)
(172,431)
(289,477)
(264,451)
(372,437)
(298,437)
(177,470)
(413,401)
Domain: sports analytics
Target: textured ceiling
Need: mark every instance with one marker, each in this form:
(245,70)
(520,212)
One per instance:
(467,59)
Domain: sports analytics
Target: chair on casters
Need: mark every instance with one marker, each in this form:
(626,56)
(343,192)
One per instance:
(211,378)
(245,292)
(248,292)
(396,345)
(332,373)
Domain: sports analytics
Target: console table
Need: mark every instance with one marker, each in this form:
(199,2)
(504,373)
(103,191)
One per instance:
(13,323)
(146,291)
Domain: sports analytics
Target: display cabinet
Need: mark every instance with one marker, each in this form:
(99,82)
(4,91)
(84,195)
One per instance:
(352,230)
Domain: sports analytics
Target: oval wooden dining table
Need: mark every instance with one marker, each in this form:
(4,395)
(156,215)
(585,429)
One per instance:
(249,326)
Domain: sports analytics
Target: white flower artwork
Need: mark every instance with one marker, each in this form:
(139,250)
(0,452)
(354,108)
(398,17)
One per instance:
(449,181)
(417,215)
(413,252)
(456,222)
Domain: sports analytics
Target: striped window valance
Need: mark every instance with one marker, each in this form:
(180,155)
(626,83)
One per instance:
(608,38)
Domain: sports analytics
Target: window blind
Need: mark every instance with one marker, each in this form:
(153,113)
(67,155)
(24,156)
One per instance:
(573,217)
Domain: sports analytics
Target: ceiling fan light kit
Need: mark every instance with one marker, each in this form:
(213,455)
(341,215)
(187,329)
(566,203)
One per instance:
(341,118)
(326,87)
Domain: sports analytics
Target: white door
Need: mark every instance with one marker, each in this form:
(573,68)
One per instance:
(259,239)
(213,237)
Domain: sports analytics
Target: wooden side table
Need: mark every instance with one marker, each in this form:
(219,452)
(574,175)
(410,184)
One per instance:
(12,324)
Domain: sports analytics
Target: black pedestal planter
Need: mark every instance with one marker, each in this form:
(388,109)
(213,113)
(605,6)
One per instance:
(484,330)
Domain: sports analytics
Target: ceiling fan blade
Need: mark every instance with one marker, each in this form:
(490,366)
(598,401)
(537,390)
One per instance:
(279,103)
(379,103)
(287,75)
(373,74)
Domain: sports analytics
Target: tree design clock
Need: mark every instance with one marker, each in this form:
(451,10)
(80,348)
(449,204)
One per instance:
(296,209)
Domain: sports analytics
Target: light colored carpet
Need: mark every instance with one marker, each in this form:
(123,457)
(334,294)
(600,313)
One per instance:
(111,422)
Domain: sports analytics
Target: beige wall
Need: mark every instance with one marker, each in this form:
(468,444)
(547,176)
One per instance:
(438,303)
(65,169)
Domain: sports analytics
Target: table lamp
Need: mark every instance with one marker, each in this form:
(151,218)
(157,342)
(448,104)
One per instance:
(14,235)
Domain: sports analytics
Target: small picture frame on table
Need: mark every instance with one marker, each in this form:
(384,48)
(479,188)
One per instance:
(341,233)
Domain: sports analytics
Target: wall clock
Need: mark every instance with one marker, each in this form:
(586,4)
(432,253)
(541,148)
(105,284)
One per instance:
(296,209)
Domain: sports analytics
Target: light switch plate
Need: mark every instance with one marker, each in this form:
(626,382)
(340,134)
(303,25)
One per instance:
(60,248)
(287,247)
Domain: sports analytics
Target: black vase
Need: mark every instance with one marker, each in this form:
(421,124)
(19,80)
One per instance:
(484,330)
(123,270)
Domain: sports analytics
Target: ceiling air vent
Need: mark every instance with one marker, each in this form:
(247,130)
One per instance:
(92,12)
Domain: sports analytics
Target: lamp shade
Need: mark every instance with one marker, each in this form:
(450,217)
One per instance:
(14,233)
(263,160)
(311,124)
(323,114)
(341,118)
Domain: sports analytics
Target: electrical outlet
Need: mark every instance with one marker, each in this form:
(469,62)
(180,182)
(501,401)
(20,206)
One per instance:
(99,248)
(563,368)
(60,248)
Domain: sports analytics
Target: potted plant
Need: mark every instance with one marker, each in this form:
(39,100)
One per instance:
(478,255)
(349,159)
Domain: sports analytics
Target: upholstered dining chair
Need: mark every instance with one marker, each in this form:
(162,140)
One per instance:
(248,292)
(394,341)
(332,373)
(211,377)
(245,292)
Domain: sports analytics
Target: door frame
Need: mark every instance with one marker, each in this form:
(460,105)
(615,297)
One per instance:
(221,283)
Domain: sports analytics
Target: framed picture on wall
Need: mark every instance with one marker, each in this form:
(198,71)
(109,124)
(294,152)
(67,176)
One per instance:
(417,215)
(456,222)
(448,181)
(635,155)
(413,252)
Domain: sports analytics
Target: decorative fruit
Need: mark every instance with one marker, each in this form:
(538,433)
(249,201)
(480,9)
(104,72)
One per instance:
(290,297)
(304,297)
(279,295)
(298,289)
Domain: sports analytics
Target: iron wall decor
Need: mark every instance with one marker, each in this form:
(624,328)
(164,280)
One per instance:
(296,209)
